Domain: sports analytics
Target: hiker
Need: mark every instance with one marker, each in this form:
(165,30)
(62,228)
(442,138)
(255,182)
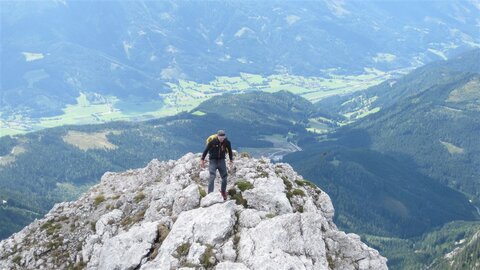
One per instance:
(217,148)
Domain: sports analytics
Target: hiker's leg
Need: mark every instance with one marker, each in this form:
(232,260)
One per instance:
(222,168)
(212,168)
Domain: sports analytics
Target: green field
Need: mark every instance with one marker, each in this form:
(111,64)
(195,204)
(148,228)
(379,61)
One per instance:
(319,125)
(186,95)
(281,146)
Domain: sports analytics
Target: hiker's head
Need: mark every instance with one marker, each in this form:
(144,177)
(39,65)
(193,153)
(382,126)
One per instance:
(221,135)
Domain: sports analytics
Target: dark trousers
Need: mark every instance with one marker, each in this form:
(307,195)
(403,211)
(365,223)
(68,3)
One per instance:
(221,166)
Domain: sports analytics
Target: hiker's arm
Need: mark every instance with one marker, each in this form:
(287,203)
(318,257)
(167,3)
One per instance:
(206,150)
(230,153)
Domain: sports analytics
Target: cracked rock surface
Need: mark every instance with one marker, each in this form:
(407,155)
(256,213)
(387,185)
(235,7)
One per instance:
(159,217)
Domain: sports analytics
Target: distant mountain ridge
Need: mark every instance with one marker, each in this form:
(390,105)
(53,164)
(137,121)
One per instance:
(419,80)
(55,50)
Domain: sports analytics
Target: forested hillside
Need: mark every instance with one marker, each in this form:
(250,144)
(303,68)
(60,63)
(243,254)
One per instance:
(466,257)
(418,152)
(58,164)
(452,246)
(431,115)
(381,194)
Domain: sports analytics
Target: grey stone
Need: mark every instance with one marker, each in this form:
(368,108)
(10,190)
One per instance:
(187,199)
(211,198)
(126,251)
(171,218)
(209,225)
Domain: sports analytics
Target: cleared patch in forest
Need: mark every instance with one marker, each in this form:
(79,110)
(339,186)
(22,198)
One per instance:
(87,141)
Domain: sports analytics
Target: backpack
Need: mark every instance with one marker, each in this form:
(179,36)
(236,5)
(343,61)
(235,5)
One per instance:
(211,138)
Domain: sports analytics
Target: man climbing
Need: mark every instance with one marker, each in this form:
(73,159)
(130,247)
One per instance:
(217,148)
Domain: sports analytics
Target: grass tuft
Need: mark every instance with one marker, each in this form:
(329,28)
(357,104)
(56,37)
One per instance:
(207,259)
(139,197)
(202,191)
(183,250)
(98,200)
(244,185)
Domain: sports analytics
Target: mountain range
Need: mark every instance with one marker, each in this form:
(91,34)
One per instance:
(122,57)
(287,80)
(357,164)
(425,123)
(426,130)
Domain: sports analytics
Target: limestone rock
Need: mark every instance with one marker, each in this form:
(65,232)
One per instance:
(209,225)
(126,251)
(281,241)
(155,218)
(187,199)
(211,199)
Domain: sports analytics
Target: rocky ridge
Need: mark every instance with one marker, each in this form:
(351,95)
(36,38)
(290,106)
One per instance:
(159,217)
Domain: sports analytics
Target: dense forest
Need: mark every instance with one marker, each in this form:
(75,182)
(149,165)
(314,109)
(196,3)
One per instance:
(431,115)
(428,250)
(380,194)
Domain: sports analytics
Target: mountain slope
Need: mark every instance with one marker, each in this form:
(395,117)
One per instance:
(259,105)
(418,152)
(426,134)
(431,250)
(129,50)
(32,179)
(431,115)
(401,201)
(391,91)
(438,128)
(157,218)
(466,257)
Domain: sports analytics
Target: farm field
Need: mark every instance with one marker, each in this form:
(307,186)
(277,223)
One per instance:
(186,95)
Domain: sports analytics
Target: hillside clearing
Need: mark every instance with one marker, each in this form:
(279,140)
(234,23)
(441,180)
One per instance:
(87,141)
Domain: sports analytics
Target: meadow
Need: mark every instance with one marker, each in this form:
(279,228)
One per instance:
(185,95)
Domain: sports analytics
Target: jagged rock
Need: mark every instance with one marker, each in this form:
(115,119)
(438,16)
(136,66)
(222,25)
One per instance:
(155,218)
(228,252)
(126,251)
(204,175)
(107,224)
(203,225)
(211,199)
(264,199)
(187,199)
(349,253)
(195,253)
(281,241)
(250,218)
(325,205)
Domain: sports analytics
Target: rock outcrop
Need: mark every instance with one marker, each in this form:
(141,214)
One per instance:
(159,217)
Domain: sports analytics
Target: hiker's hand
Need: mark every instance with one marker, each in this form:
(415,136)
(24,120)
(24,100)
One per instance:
(202,163)
(231,163)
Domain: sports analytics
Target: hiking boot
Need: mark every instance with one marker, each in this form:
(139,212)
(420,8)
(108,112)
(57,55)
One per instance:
(224,195)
